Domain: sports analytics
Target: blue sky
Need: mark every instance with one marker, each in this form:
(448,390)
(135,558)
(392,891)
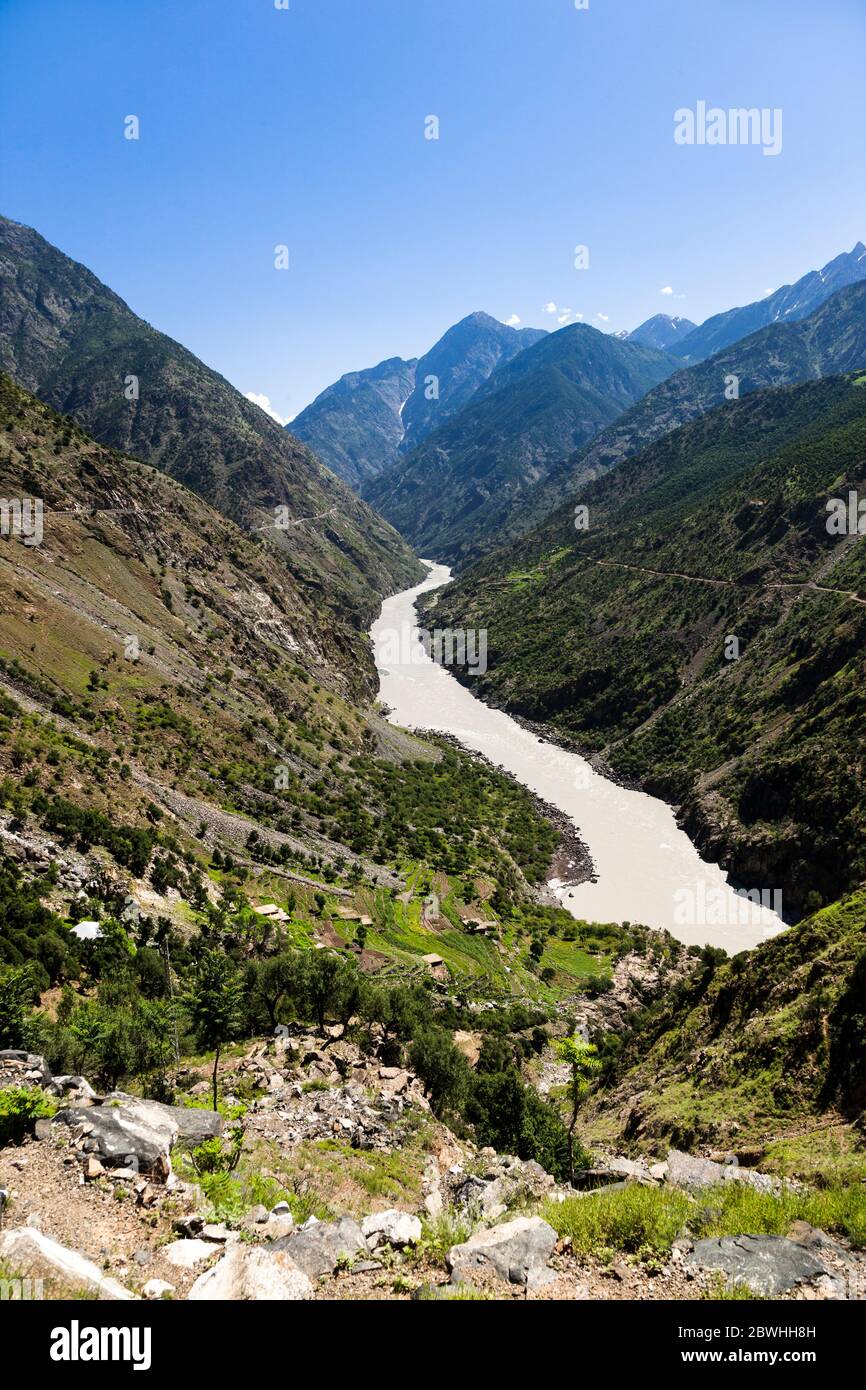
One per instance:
(306,127)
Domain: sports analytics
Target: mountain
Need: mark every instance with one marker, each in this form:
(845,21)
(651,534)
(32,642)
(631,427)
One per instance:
(71,341)
(461,490)
(182,728)
(661,332)
(832,340)
(616,636)
(361,425)
(785,305)
(448,376)
(355,426)
(761,1055)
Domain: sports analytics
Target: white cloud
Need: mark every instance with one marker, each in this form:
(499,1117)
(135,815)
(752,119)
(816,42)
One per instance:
(766,292)
(513,321)
(605,318)
(264,403)
(550,308)
(564,317)
(666,289)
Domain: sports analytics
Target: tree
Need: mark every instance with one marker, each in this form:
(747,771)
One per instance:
(17,984)
(272,979)
(584,1063)
(326,983)
(442,1068)
(214,1002)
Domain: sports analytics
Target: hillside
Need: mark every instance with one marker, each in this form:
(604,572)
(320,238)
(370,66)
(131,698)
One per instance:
(830,341)
(785,305)
(714,531)
(365,421)
(72,342)
(763,1055)
(462,490)
(355,426)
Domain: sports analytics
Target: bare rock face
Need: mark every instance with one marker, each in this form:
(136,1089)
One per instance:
(769,1265)
(516,1252)
(321,1247)
(34,1255)
(692,1174)
(138,1134)
(253,1273)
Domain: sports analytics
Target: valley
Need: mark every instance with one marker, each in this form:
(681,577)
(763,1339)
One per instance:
(489,926)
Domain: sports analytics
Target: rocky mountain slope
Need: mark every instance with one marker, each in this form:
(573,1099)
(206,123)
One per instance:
(662,332)
(462,490)
(361,424)
(356,426)
(832,340)
(785,305)
(464,358)
(761,1056)
(716,531)
(72,342)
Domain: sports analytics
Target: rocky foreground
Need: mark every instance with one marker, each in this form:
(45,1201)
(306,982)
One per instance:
(101,1201)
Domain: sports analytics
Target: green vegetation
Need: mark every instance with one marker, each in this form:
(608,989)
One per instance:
(716,530)
(20,1108)
(751,1049)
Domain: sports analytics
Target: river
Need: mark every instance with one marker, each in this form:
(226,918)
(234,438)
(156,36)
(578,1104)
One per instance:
(646,868)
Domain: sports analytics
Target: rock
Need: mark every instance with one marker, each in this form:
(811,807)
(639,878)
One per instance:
(251,1272)
(692,1174)
(629,1168)
(256,1216)
(276,1227)
(281,1209)
(77,1087)
(318,1249)
(157,1288)
(92,1168)
(23,1067)
(769,1265)
(433,1204)
(395,1228)
(188,1225)
(32,1254)
(124,1131)
(516,1252)
(216,1232)
(186,1254)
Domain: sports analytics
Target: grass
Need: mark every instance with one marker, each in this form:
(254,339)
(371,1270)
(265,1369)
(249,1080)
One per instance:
(440,1233)
(646,1221)
(735,1208)
(632,1220)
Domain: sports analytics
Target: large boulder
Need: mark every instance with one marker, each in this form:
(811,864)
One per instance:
(251,1272)
(318,1249)
(693,1174)
(31,1254)
(768,1265)
(124,1131)
(516,1252)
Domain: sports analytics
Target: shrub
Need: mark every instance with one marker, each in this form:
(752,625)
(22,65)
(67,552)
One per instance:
(20,1108)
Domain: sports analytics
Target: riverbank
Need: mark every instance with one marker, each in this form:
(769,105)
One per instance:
(646,869)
